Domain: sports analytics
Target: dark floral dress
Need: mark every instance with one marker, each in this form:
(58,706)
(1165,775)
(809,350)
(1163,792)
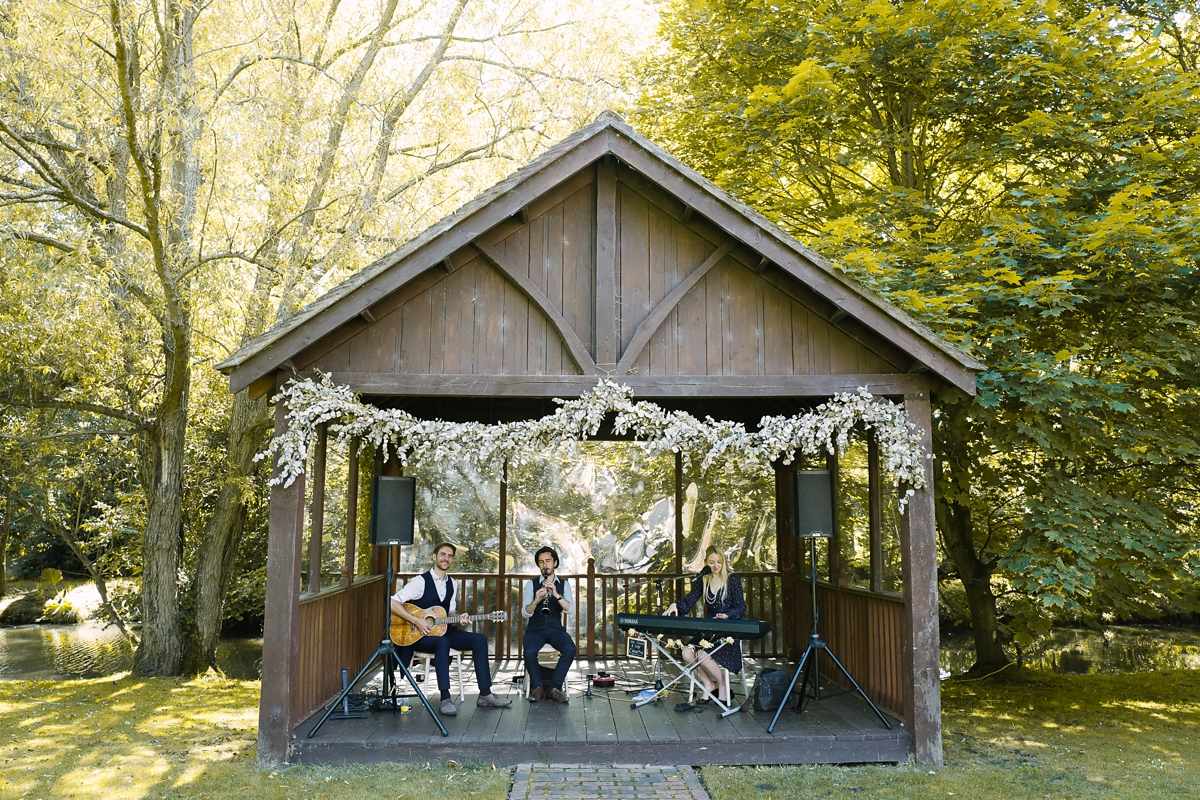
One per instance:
(731,602)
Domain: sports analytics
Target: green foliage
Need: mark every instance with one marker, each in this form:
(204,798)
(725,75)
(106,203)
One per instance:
(1024,177)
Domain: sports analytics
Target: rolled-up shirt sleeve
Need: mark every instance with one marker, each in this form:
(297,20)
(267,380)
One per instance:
(526,598)
(415,588)
(410,591)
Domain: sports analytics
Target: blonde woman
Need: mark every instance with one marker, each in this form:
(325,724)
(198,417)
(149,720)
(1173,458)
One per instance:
(723,599)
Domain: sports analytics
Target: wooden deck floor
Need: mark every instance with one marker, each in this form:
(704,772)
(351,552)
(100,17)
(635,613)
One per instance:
(603,729)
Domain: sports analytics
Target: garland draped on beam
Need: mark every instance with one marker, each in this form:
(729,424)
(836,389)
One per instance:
(821,430)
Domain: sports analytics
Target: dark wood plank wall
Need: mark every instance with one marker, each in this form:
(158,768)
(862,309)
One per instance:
(338,628)
(555,251)
(734,321)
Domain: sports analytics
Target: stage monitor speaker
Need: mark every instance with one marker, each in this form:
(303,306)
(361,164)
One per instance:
(393,507)
(812,504)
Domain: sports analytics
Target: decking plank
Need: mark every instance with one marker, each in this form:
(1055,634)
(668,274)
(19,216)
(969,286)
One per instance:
(837,729)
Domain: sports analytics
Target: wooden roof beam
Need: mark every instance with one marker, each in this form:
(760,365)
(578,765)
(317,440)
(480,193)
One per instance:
(574,344)
(641,336)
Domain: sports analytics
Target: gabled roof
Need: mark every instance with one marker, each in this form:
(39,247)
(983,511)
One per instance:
(608,134)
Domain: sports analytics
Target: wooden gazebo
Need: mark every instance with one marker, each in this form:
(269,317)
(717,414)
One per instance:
(605,257)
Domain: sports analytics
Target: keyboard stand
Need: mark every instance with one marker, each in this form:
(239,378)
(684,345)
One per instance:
(684,672)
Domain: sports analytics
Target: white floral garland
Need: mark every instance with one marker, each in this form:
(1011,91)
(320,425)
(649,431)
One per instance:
(824,429)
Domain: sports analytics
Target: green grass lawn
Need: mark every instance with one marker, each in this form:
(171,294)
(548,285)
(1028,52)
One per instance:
(162,737)
(1039,735)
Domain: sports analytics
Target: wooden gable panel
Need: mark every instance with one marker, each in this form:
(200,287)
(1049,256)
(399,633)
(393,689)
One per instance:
(734,322)
(555,250)
(471,322)
(656,253)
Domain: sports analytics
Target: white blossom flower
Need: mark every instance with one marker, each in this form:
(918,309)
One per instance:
(825,429)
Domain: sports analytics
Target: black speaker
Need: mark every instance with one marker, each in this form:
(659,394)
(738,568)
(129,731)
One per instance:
(812,504)
(393,506)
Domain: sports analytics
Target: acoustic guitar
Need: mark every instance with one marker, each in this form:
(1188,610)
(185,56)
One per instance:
(404,633)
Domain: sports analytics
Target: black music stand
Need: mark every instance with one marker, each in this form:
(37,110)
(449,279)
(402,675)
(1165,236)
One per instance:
(384,652)
(816,645)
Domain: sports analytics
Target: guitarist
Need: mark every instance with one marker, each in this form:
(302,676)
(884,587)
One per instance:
(543,603)
(436,588)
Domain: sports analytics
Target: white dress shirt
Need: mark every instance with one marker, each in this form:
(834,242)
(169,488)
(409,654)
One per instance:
(412,591)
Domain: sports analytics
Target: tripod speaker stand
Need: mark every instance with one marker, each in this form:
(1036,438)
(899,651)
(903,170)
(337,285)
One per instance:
(808,662)
(386,655)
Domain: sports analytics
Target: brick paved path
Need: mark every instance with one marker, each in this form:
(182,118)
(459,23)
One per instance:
(595,782)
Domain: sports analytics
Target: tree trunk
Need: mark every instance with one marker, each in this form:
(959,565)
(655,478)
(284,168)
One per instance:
(217,559)
(160,651)
(4,531)
(953,477)
(958,538)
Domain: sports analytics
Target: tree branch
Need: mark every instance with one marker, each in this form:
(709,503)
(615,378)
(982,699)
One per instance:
(69,405)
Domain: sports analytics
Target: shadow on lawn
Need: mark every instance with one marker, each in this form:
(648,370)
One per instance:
(139,738)
(124,738)
(1037,734)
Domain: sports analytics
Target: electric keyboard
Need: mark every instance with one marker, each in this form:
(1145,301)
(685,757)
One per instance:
(654,624)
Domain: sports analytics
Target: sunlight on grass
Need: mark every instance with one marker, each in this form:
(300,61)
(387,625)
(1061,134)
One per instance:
(1041,735)
(130,739)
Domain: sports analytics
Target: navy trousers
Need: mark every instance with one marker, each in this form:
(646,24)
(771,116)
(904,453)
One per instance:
(557,638)
(464,642)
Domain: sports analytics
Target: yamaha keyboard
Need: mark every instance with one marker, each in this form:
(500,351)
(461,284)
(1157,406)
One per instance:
(654,624)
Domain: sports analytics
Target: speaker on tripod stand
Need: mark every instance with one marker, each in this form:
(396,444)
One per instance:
(393,499)
(812,519)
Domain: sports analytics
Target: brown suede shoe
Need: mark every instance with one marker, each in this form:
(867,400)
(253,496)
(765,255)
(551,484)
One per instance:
(557,695)
(536,694)
(492,701)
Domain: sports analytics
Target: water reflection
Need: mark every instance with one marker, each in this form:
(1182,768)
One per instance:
(90,650)
(1077,651)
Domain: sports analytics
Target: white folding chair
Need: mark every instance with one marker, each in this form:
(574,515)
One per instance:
(456,660)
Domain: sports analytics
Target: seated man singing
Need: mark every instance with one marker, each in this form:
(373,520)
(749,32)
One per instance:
(436,588)
(544,601)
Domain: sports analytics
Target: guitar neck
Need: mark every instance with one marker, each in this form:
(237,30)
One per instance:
(452,620)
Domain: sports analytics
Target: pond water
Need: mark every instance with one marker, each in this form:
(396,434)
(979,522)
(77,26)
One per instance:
(90,650)
(1081,651)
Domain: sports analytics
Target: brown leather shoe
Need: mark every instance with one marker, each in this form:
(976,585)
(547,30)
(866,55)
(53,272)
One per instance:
(557,695)
(536,694)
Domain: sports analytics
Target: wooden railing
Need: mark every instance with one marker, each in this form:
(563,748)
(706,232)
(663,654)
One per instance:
(341,627)
(598,599)
(865,631)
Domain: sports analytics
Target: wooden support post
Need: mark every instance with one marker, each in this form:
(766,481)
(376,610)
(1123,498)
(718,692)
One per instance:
(281,628)
(788,559)
(678,524)
(596,619)
(833,558)
(379,555)
(351,512)
(606,263)
(502,586)
(875,511)
(317,529)
(918,544)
